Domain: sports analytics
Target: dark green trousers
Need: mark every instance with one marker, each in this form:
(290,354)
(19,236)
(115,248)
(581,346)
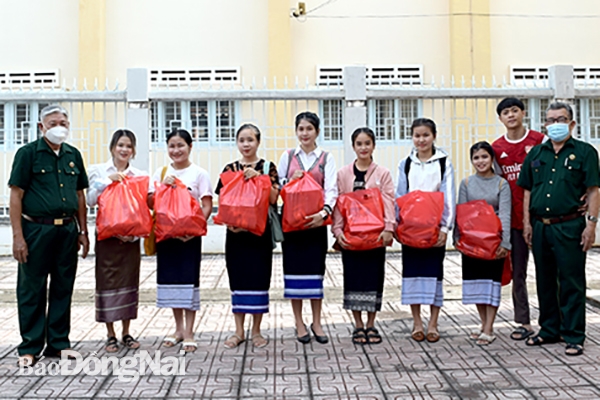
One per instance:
(45,310)
(560,279)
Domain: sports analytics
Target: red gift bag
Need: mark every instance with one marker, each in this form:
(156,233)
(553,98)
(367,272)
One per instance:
(301,197)
(480,229)
(420,217)
(363,218)
(123,210)
(244,203)
(177,213)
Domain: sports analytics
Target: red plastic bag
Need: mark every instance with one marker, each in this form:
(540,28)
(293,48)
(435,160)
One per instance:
(177,213)
(363,218)
(301,197)
(480,229)
(420,217)
(244,203)
(122,209)
(507,271)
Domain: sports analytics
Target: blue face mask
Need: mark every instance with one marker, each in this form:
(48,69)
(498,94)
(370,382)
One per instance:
(558,132)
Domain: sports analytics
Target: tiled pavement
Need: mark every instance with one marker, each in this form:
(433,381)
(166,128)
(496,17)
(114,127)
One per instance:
(399,368)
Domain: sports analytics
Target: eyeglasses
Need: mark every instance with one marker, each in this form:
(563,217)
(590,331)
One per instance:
(560,120)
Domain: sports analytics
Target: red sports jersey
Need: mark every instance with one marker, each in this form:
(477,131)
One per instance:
(510,155)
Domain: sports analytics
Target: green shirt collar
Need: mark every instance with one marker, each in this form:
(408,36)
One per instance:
(569,143)
(42,145)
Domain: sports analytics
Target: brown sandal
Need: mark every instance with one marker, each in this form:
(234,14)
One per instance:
(433,337)
(26,360)
(418,336)
(259,341)
(233,341)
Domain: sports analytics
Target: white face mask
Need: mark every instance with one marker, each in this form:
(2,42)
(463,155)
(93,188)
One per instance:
(57,135)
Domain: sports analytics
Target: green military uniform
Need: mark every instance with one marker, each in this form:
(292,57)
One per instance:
(557,182)
(50,184)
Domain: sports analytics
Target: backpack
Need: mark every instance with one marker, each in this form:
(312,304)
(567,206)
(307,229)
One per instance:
(442,162)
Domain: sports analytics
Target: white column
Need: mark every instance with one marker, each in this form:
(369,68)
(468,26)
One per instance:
(138,115)
(355,111)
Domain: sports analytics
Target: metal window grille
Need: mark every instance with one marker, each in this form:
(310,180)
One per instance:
(172,115)
(199,120)
(2,131)
(154,124)
(22,124)
(225,121)
(594,123)
(384,121)
(332,117)
(391,119)
(409,111)
(199,117)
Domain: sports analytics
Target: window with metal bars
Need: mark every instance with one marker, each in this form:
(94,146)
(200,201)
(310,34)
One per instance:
(391,119)
(207,121)
(332,119)
(18,123)
(2,134)
(594,115)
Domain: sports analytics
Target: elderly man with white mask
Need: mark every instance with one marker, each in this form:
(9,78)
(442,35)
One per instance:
(48,218)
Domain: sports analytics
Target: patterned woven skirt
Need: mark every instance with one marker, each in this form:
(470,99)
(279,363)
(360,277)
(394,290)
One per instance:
(117,279)
(364,274)
(422,275)
(482,281)
(178,273)
(304,254)
(249,260)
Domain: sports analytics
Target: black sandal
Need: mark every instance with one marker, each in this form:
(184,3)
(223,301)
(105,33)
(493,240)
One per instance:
(373,335)
(130,342)
(359,336)
(537,340)
(112,345)
(573,346)
(521,333)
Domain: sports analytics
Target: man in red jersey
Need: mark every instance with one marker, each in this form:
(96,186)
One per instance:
(510,150)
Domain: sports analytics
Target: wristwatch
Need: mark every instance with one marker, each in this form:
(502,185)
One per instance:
(592,218)
(84,233)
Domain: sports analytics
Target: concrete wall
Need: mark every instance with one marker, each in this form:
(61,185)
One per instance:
(342,35)
(186,34)
(39,35)
(539,38)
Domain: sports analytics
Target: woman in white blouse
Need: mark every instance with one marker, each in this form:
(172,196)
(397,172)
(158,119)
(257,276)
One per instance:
(178,259)
(117,258)
(305,251)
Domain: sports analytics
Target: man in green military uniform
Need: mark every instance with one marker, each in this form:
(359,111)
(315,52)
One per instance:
(48,218)
(555,176)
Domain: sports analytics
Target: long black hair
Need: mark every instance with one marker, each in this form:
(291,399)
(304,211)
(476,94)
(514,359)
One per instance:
(310,117)
(182,133)
(119,133)
(482,146)
(367,131)
(251,127)
(424,122)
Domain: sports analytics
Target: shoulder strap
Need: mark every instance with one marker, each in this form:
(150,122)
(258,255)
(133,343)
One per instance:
(407,170)
(500,184)
(266,167)
(287,171)
(163,173)
(442,168)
